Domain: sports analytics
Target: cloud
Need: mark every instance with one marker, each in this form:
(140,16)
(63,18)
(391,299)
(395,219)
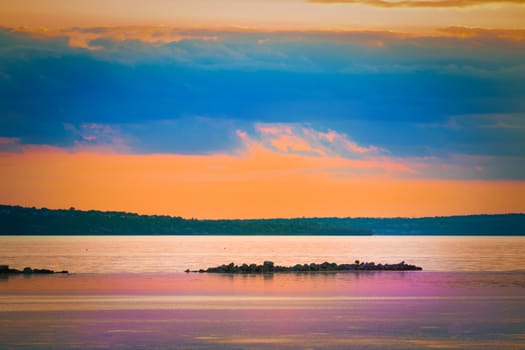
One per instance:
(312,94)
(297,138)
(486,36)
(90,38)
(299,147)
(186,135)
(196,135)
(421,3)
(266,148)
(284,149)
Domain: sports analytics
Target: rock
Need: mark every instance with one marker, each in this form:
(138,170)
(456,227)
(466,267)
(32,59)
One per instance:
(268,264)
(269,267)
(28,271)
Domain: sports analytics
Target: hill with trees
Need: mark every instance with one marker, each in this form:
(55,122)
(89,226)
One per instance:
(16,220)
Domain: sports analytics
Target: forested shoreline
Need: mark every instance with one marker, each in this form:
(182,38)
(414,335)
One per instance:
(17,220)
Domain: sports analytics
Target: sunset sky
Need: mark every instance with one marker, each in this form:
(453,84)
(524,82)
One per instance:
(264,108)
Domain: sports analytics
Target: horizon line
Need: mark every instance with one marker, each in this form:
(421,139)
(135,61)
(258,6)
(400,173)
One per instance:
(72,208)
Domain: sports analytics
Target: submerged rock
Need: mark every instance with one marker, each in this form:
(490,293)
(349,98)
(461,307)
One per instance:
(269,267)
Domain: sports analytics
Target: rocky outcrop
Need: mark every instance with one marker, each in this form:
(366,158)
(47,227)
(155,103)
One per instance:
(270,267)
(5,270)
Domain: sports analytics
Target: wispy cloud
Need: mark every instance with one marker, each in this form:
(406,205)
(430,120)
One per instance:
(301,148)
(89,37)
(421,3)
(485,35)
(296,138)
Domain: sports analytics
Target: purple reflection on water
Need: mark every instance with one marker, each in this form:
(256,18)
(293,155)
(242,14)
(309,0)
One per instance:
(378,310)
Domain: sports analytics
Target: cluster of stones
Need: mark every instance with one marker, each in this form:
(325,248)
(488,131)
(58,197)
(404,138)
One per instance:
(4,269)
(269,267)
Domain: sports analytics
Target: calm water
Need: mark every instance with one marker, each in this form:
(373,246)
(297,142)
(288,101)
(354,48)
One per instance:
(129,292)
(380,310)
(117,254)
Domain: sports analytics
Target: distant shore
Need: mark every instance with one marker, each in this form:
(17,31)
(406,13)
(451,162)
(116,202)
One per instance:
(16,220)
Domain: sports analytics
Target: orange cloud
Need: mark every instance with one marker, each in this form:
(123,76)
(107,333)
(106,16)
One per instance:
(484,33)
(84,37)
(421,3)
(298,156)
(297,138)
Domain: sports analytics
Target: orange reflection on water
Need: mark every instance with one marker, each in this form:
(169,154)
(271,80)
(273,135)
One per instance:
(343,284)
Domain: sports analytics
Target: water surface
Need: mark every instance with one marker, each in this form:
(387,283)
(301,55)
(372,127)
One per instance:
(377,310)
(129,292)
(115,254)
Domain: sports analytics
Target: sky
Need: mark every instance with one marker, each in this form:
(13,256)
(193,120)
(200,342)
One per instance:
(257,109)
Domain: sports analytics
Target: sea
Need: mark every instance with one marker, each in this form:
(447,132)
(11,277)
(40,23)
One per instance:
(131,292)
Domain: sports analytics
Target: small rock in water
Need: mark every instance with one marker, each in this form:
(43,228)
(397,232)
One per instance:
(28,271)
